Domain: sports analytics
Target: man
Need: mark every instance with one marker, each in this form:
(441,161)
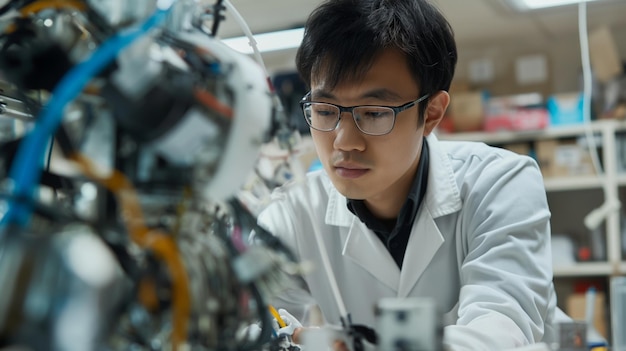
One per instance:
(397,212)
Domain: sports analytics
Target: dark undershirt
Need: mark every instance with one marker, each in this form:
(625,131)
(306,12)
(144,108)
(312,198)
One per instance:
(395,233)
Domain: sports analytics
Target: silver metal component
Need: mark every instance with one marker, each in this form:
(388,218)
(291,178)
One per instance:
(182,15)
(67,279)
(618,313)
(120,13)
(138,72)
(69,29)
(86,204)
(15,118)
(408,324)
(572,336)
(13,108)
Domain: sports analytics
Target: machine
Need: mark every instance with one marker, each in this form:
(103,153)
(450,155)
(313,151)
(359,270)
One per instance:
(127,130)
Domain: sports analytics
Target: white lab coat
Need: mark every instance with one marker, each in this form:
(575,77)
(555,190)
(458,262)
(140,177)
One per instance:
(479,246)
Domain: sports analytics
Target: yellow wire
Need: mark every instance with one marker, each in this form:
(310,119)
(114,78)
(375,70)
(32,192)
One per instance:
(161,244)
(45,4)
(281,322)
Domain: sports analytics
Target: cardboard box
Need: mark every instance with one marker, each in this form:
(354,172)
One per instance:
(563,158)
(576,306)
(545,151)
(519,148)
(459,86)
(467,111)
(605,61)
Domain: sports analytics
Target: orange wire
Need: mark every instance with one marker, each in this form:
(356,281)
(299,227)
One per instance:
(279,319)
(213,103)
(163,245)
(46,4)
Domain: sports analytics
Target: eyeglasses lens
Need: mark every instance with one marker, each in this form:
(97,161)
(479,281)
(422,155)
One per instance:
(373,120)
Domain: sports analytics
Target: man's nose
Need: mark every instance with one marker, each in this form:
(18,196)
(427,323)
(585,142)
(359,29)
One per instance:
(348,137)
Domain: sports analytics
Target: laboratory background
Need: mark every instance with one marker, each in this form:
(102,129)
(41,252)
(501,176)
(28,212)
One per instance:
(128,230)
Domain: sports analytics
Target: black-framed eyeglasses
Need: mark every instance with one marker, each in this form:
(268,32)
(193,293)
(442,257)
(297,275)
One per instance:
(370,119)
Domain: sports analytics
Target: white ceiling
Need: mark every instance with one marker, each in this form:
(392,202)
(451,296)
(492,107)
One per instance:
(474,21)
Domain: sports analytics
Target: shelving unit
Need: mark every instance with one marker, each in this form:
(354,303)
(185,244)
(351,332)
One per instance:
(584,269)
(575,196)
(501,137)
(574,183)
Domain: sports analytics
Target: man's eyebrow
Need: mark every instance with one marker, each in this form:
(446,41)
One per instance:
(379,94)
(382,94)
(321,93)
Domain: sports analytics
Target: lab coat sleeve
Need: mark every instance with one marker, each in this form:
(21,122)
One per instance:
(506,297)
(278,219)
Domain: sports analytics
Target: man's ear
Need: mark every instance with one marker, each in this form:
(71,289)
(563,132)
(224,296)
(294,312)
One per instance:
(435,111)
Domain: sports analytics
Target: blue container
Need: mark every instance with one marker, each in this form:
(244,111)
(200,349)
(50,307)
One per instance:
(565,109)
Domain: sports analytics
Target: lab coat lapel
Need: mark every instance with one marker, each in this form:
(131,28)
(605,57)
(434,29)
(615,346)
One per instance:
(366,250)
(442,198)
(361,245)
(423,244)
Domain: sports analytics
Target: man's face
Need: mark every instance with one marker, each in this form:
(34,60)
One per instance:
(377,169)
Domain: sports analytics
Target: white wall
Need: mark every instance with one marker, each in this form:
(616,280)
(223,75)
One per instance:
(563,55)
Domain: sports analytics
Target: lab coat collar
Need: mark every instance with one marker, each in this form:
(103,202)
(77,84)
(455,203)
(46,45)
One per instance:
(365,249)
(442,195)
(423,244)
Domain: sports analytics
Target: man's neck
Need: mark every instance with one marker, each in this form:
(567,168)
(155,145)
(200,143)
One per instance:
(387,206)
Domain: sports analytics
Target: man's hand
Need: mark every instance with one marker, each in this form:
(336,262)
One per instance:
(330,340)
(339,345)
(292,323)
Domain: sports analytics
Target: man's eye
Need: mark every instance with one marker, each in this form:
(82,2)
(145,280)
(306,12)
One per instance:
(376,113)
(324,111)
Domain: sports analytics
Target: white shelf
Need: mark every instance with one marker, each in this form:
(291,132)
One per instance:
(584,269)
(574,183)
(502,137)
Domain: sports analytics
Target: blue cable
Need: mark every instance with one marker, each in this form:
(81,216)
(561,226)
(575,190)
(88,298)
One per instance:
(27,166)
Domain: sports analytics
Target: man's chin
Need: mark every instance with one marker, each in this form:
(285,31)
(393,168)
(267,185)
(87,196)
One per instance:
(349,190)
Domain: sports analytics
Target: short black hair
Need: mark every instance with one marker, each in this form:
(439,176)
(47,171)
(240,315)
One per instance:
(342,38)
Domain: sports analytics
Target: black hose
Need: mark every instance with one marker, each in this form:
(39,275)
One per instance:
(248,221)
(217,16)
